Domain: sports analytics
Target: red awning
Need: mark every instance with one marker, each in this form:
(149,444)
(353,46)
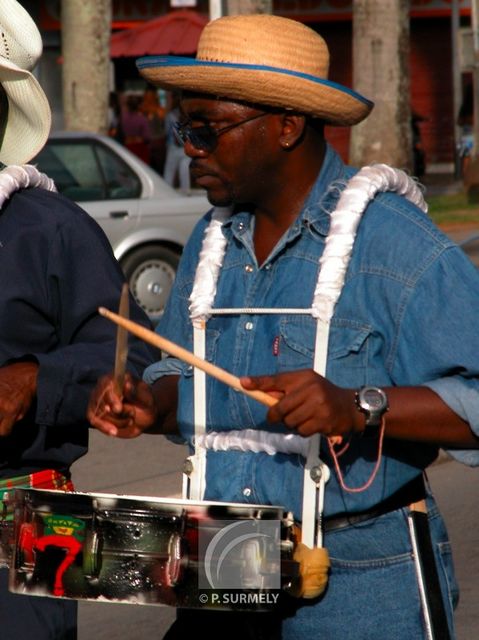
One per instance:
(175,33)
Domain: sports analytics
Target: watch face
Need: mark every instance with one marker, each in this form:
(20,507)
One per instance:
(374,398)
(373,402)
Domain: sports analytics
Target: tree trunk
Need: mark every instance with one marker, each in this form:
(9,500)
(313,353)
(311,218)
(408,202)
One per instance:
(237,7)
(381,73)
(86,28)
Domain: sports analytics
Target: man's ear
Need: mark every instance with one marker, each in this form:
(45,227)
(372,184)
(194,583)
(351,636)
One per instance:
(293,129)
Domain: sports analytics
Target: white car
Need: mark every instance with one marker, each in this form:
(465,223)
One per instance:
(147,221)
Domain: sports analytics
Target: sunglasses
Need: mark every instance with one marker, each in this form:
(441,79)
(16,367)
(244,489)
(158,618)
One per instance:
(206,137)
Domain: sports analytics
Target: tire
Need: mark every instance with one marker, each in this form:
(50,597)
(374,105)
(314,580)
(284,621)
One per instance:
(150,272)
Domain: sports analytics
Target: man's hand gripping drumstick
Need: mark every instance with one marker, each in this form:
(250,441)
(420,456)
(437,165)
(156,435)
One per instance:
(135,412)
(129,411)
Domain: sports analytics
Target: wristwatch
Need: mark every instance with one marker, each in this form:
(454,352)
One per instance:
(373,402)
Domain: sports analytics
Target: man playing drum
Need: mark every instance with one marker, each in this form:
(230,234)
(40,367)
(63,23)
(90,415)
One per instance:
(332,291)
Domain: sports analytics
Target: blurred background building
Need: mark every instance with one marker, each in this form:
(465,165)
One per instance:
(441,56)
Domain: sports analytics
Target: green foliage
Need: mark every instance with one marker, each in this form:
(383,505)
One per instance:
(452,208)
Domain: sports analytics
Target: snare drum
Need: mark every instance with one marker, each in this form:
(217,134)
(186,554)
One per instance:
(145,550)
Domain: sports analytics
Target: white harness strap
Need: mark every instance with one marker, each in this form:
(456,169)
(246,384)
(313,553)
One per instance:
(334,262)
(316,472)
(204,291)
(255,440)
(195,466)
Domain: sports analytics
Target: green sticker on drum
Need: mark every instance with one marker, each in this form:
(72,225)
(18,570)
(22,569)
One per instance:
(64,526)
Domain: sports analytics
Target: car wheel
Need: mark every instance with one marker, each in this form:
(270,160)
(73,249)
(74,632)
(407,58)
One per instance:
(150,272)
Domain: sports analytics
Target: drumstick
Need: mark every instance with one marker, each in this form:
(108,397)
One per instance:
(183,354)
(121,350)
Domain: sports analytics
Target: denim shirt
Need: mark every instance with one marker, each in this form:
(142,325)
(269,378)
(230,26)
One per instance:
(407,316)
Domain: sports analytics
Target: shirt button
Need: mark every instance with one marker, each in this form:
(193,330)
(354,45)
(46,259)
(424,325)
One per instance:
(247,492)
(268,267)
(248,326)
(249,268)
(241,226)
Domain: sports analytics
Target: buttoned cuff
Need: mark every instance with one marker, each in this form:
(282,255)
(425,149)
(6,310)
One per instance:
(166,367)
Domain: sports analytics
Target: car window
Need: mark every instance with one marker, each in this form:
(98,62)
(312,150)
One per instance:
(74,168)
(121,181)
(50,163)
(85,171)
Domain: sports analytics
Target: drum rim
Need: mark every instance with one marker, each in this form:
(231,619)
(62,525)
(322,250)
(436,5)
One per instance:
(156,500)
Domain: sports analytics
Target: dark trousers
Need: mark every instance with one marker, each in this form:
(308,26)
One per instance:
(35,618)
(221,625)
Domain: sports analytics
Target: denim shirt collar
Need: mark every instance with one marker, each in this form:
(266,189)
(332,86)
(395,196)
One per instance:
(320,202)
(325,193)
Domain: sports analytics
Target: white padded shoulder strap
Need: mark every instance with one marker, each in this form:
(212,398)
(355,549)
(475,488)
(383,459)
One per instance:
(16,177)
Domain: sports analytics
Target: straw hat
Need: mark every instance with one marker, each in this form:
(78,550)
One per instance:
(261,59)
(29,115)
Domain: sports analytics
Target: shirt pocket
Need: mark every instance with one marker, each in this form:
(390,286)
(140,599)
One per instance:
(349,352)
(348,348)
(296,346)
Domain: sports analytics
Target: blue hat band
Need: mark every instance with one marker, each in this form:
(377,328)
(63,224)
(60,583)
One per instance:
(178,61)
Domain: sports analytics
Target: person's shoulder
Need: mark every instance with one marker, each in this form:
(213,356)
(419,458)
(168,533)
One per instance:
(405,220)
(387,215)
(38,199)
(397,237)
(54,218)
(47,207)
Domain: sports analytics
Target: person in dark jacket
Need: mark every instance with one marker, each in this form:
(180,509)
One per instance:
(57,267)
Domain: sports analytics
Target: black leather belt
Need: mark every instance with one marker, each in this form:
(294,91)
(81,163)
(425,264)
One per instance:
(413,491)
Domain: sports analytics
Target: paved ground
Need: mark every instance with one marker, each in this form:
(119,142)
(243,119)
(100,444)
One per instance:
(455,487)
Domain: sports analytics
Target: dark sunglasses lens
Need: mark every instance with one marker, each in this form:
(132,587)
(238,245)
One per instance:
(203,138)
